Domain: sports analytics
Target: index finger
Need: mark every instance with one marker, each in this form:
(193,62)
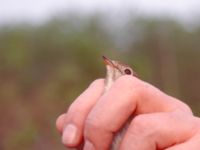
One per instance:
(71,123)
(127,96)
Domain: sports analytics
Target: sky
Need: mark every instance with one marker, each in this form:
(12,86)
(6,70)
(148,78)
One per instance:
(41,10)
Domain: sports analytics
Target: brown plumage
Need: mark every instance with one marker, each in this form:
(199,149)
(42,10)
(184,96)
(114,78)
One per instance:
(114,70)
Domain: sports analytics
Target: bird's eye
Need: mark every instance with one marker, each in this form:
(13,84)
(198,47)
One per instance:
(127,71)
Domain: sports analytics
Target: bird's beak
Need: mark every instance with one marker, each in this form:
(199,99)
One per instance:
(108,61)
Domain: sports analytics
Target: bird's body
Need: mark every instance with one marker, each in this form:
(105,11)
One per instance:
(114,70)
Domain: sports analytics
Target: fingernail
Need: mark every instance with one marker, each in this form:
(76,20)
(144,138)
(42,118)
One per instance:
(69,135)
(88,146)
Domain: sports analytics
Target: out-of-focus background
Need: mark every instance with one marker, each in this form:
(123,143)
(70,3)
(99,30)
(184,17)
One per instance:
(50,51)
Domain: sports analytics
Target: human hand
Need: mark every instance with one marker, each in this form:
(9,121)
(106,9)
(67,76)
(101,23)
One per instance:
(160,122)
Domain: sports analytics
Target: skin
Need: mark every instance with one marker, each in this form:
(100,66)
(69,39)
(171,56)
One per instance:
(161,122)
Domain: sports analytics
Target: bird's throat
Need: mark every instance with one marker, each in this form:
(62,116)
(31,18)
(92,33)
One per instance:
(109,80)
(112,74)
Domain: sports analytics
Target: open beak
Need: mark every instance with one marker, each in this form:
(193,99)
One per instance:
(108,61)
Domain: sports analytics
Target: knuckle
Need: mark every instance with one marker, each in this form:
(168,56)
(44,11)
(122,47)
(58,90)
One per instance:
(72,109)
(184,107)
(131,84)
(128,80)
(76,106)
(92,124)
(146,87)
(143,127)
(97,82)
(92,128)
(60,122)
(97,133)
(141,124)
(74,114)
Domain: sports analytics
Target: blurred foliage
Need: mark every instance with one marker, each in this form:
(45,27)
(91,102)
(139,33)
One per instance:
(44,67)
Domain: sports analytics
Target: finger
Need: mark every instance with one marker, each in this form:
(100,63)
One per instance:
(60,122)
(158,131)
(153,100)
(192,143)
(128,95)
(74,120)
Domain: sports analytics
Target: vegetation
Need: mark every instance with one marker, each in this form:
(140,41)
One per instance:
(44,67)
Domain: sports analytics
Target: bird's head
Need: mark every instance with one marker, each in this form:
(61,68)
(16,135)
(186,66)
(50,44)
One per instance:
(114,70)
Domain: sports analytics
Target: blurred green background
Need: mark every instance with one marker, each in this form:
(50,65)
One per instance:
(44,67)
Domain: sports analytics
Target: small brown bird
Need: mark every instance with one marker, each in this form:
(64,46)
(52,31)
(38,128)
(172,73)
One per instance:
(114,70)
